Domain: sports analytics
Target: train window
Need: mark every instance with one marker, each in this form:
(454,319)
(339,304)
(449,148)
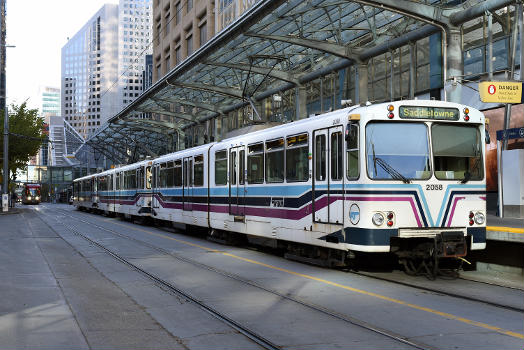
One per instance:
(297,160)
(170,173)
(117,181)
(149,176)
(457,152)
(188,167)
(320,157)
(242,167)
(336,156)
(178,173)
(162,176)
(131,179)
(140,178)
(275,161)
(110,182)
(221,167)
(255,164)
(352,160)
(233,172)
(199,170)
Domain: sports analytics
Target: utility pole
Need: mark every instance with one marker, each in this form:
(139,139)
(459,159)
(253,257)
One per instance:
(5,188)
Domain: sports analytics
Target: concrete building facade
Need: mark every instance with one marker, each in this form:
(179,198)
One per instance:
(179,29)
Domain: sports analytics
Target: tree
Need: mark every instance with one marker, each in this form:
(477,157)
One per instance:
(25,136)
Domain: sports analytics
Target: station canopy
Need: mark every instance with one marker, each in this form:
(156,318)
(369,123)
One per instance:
(272,47)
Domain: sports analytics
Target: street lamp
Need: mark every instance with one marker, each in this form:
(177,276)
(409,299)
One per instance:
(5,192)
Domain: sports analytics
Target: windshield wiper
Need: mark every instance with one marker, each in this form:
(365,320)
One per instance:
(387,168)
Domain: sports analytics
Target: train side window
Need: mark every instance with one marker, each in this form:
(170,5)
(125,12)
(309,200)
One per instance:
(117,181)
(162,176)
(336,156)
(198,170)
(169,174)
(352,153)
(320,157)
(255,164)
(275,160)
(297,161)
(221,167)
(177,173)
(242,167)
(233,170)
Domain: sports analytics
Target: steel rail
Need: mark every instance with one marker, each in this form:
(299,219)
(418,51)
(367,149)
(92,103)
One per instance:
(314,307)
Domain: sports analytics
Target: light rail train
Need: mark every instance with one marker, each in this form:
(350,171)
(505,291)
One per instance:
(31,194)
(405,178)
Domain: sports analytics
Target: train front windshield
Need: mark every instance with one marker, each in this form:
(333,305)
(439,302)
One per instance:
(33,192)
(400,151)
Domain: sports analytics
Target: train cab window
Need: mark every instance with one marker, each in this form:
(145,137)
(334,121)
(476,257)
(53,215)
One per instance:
(336,156)
(352,158)
(198,171)
(320,157)
(221,167)
(275,160)
(297,161)
(255,164)
(177,172)
(149,177)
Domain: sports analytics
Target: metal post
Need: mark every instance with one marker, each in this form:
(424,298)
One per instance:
(490,45)
(507,108)
(499,178)
(6,152)
(391,84)
(521,25)
(412,70)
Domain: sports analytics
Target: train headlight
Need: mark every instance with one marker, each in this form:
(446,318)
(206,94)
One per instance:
(28,198)
(479,218)
(37,198)
(378,219)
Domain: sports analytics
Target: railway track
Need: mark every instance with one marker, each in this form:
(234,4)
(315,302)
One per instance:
(414,285)
(259,339)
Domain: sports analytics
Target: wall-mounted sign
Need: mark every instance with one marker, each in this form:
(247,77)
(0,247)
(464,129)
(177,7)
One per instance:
(500,91)
(514,133)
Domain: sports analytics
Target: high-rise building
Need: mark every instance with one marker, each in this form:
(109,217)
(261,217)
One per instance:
(102,64)
(90,72)
(50,102)
(134,44)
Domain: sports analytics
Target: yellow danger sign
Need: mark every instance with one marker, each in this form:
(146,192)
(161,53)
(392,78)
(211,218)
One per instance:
(500,91)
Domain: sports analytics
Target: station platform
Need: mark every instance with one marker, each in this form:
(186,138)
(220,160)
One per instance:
(504,229)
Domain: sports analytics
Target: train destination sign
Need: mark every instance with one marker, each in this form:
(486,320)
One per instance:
(417,112)
(500,92)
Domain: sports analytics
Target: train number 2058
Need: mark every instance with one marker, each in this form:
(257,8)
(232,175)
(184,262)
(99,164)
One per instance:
(437,187)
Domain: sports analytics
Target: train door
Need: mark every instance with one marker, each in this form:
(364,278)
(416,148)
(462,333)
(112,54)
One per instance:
(154,185)
(328,177)
(187,183)
(148,178)
(237,176)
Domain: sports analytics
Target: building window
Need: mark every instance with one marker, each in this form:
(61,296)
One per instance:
(189,5)
(203,34)
(189,42)
(178,13)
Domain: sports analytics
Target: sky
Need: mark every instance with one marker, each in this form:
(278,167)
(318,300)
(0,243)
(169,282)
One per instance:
(39,29)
